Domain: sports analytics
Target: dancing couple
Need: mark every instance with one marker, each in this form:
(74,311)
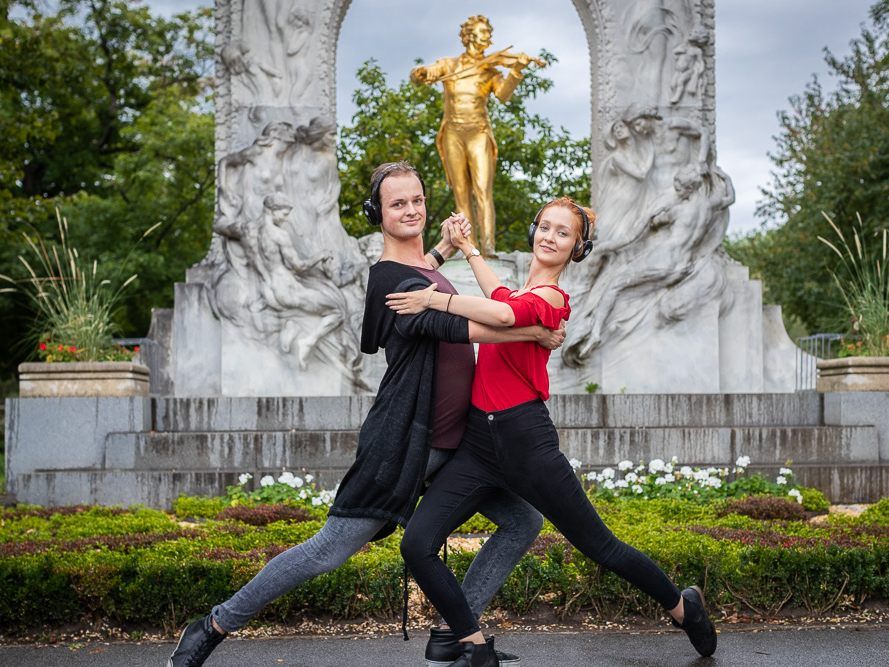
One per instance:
(478,433)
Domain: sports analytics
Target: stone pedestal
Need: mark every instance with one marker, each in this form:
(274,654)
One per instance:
(83,378)
(853,374)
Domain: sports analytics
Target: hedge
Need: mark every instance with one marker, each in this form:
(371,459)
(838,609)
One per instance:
(147,567)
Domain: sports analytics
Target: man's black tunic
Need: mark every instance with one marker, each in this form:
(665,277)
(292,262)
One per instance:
(386,480)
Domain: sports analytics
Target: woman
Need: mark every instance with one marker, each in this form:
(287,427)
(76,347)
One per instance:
(510,441)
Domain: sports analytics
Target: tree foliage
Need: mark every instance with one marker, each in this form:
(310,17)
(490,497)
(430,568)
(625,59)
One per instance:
(535,160)
(105,113)
(832,155)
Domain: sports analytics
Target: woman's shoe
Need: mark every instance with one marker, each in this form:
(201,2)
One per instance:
(443,648)
(697,624)
(477,655)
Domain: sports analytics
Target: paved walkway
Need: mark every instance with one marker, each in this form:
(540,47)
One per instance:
(799,648)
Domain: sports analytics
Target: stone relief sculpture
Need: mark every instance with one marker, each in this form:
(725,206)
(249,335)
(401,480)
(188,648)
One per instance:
(688,70)
(280,280)
(655,228)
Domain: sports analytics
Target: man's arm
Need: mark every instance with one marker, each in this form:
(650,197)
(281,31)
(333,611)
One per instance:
(551,339)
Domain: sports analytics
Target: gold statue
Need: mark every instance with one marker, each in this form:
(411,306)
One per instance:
(465,141)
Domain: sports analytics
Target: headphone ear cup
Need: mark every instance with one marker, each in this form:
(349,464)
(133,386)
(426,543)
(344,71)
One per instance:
(582,251)
(532,230)
(370,212)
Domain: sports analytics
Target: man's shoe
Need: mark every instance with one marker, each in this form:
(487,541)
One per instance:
(195,644)
(443,648)
(477,655)
(697,624)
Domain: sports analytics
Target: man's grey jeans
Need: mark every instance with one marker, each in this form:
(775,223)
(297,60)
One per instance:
(517,525)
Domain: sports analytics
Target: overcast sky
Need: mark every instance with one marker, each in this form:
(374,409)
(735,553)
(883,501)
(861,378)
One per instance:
(766,50)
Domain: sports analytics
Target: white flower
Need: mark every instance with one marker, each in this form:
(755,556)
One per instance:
(624,465)
(327,497)
(296,482)
(674,460)
(592,477)
(781,480)
(631,477)
(268,480)
(286,478)
(794,493)
(715,482)
(303,495)
(575,463)
(660,481)
(787,472)
(310,478)
(621,484)
(637,488)
(608,484)
(712,471)
(668,467)
(608,473)
(655,465)
(243,478)
(743,461)
(701,475)
(317,501)
(686,471)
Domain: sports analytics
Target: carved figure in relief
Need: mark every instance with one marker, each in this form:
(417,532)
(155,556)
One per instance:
(246,177)
(689,65)
(294,288)
(653,27)
(465,141)
(668,247)
(296,28)
(623,175)
(237,60)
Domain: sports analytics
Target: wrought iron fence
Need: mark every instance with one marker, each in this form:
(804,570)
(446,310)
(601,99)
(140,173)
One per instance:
(809,349)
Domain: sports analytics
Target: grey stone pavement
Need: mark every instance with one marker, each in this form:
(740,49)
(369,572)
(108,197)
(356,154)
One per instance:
(823,647)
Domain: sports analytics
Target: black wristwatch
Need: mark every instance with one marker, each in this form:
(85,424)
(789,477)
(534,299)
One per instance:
(438,257)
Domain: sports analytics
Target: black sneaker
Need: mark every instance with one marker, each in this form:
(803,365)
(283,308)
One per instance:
(697,624)
(477,655)
(443,648)
(195,644)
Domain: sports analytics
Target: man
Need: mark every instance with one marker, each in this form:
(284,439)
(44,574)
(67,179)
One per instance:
(412,428)
(465,141)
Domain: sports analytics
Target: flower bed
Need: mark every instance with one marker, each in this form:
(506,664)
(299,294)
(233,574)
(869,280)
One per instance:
(144,566)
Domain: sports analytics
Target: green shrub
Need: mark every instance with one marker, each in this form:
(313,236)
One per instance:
(878,513)
(814,500)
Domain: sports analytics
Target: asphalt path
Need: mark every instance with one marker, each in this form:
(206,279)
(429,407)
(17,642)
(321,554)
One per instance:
(824,647)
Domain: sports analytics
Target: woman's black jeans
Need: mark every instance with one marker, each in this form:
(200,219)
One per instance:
(516,449)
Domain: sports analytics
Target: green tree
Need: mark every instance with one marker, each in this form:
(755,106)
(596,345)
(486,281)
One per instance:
(105,112)
(535,160)
(832,155)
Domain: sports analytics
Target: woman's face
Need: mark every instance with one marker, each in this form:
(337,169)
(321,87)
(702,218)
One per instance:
(620,131)
(557,233)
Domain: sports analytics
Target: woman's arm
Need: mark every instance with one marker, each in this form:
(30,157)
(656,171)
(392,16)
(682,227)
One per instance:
(474,308)
(551,339)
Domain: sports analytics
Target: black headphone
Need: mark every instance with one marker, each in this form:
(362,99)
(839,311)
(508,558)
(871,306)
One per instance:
(372,209)
(582,248)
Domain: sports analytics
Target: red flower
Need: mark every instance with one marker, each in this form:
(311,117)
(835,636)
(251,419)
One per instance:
(42,346)
(72,348)
(136,349)
(61,347)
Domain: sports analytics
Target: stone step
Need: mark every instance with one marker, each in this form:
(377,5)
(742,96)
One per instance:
(842,483)
(568,410)
(248,451)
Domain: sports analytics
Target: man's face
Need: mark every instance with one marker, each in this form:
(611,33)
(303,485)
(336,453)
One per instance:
(480,36)
(403,206)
